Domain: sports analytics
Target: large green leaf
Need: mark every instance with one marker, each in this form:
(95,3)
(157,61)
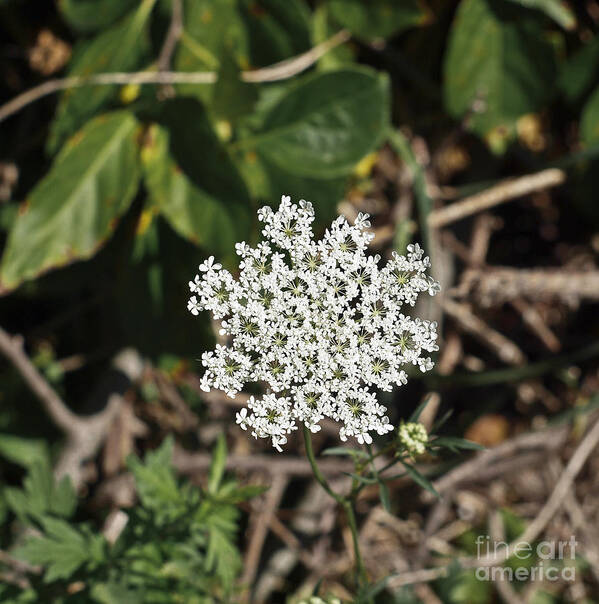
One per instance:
(120,48)
(558,10)
(579,73)
(93,15)
(201,195)
(378,18)
(589,122)
(74,209)
(324,125)
(498,67)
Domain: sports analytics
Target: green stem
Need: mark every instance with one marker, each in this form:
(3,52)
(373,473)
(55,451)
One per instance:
(346,502)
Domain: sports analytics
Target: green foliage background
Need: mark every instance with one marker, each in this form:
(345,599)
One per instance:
(123,190)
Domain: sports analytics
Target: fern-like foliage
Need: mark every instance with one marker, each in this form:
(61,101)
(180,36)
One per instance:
(178,544)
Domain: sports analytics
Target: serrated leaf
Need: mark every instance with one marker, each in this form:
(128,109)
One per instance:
(217,466)
(41,495)
(115,593)
(93,15)
(74,209)
(324,124)
(589,121)
(378,18)
(222,556)
(23,451)
(62,549)
(345,451)
(498,67)
(419,479)
(558,10)
(118,49)
(155,481)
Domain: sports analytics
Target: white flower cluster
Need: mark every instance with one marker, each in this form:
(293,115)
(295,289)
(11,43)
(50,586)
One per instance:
(318,322)
(413,437)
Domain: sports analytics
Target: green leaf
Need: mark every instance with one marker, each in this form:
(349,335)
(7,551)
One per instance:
(231,97)
(23,451)
(62,549)
(155,481)
(324,124)
(378,18)
(454,443)
(41,495)
(217,467)
(589,122)
(419,479)
(418,411)
(203,197)
(244,493)
(498,67)
(115,593)
(74,209)
(276,30)
(577,75)
(93,15)
(361,479)
(345,451)
(384,494)
(222,556)
(558,10)
(120,48)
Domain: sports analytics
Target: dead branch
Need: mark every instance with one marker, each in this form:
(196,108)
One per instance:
(172,36)
(190,463)
(279,71)
(505,349)
(500,193)
(545,440)
(494,286)
(85,434)
(261,526)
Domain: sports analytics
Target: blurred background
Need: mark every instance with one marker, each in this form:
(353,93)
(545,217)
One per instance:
(138,138)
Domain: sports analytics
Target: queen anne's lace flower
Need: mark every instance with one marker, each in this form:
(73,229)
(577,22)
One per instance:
(317,321)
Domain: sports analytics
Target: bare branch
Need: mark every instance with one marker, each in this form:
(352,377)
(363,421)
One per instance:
(504,191)
(62,416)
(172,37)
(279,71)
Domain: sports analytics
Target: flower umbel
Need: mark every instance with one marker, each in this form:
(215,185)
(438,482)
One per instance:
(318,321)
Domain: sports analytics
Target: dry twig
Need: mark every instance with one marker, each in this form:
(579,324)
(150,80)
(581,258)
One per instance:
(85,434)
(279,71)
(504,191)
